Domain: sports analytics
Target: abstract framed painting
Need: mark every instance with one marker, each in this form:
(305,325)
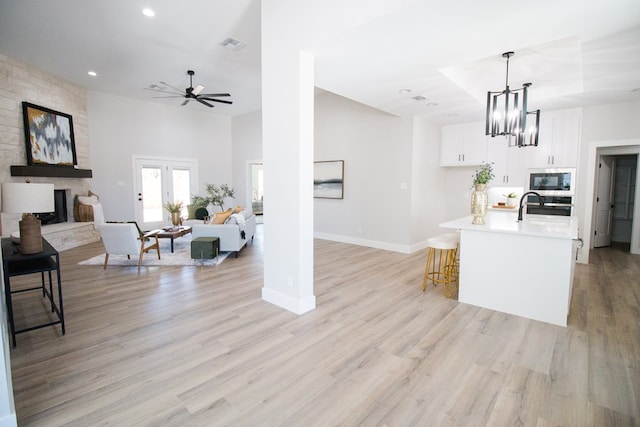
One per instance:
(328,179)
(48,136)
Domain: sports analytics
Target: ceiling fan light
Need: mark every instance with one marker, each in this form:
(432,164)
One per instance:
(197,89)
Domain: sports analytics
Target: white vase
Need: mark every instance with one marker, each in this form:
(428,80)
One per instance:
(479,203)
(511,202)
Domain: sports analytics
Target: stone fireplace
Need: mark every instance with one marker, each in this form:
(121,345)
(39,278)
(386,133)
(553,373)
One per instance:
(24,83)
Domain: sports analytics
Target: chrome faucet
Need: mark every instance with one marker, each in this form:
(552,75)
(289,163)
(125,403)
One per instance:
(540,199)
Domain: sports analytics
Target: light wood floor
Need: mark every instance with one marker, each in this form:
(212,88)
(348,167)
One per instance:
(196,346)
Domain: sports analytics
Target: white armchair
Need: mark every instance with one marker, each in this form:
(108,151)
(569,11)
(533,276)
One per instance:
(124,239)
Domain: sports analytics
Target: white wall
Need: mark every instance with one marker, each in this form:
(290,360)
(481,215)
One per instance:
(428,189)
(603,126)
(120,128)
(377,150)
(246,148)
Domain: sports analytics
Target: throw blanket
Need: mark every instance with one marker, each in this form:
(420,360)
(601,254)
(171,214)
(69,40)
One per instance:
(98,215)
(240,220)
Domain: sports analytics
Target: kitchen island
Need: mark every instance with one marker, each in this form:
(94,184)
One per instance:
(522,268)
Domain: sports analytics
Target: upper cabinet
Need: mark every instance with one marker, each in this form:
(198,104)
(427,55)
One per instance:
(508,163)
(463,145)
(558,140)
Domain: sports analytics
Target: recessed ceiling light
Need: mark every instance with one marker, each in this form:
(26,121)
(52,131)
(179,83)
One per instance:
(92,73)
(148,12)
(404,90)
(232,44)
(419,98)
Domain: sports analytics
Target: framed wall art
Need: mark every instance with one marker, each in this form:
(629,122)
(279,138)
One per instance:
(328,179)
(48,135)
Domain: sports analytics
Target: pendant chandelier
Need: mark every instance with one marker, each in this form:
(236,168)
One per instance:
(507,116)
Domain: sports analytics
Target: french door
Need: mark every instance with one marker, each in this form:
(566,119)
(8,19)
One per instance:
(159,181)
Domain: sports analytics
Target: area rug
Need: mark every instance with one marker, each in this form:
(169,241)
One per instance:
(181,256)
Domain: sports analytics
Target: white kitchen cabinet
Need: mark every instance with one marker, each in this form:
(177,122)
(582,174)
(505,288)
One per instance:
(463,145)
(508,163)
(558,140)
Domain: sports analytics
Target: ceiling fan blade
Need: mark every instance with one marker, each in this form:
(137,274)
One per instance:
(215,100)
(196,90)
(172,87)
(185,102)
(204,102)
(215,94)
(163,91)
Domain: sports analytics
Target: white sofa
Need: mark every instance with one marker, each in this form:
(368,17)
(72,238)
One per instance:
(230,234)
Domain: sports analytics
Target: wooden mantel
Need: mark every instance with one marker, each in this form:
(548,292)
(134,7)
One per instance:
(51,171)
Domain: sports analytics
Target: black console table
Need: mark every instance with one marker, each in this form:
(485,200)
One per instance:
(16,264)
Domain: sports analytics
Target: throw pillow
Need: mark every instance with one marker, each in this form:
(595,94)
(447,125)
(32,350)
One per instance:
(221,217)
(201,213)
(191,212)
(237,209)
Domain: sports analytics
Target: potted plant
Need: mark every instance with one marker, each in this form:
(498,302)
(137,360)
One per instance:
(511,199)
(479,198)
(483,175)
(216,196)
(174,209)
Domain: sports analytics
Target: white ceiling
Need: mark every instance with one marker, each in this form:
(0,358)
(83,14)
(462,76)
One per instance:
(575,52)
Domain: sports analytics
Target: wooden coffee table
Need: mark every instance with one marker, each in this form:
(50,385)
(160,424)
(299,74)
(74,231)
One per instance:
(173,233)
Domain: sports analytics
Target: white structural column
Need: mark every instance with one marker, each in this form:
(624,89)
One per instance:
(287,126)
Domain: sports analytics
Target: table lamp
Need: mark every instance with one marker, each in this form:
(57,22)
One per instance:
(27,198)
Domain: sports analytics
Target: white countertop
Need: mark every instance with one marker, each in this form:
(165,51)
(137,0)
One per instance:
(557,227)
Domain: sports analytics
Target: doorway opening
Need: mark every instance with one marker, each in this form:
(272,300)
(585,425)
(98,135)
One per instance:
(158,182)
(615,198)
(257,189)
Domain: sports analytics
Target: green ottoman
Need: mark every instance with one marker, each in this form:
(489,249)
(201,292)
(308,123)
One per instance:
(205,247)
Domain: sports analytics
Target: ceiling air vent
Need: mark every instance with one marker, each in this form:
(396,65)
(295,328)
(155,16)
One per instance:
(232,44)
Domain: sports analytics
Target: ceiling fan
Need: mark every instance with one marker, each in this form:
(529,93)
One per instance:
(190,93)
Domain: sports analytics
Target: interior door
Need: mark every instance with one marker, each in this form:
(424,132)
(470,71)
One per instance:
(159,181)
(604,202)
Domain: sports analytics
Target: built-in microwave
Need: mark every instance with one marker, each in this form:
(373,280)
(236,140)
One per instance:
(552,182)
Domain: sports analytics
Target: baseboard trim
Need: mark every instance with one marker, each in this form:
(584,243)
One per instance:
(405,249)
(297,306)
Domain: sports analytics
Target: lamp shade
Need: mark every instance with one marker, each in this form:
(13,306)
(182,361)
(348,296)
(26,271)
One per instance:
(27,198)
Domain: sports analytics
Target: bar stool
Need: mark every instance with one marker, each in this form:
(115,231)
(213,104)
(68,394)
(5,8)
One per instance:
(455,236)
(445,270)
